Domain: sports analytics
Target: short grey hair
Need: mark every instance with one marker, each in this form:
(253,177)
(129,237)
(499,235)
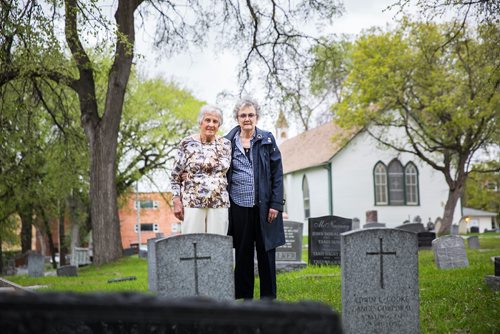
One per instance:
(208,108)
(246,102)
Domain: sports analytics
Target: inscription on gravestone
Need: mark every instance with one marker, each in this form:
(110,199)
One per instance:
(292,249)
(380,281)
(324,239)
(289,256)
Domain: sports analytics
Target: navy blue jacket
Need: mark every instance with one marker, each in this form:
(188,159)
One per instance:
(268,180)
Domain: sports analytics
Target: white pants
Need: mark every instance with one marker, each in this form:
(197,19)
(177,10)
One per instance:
(198,220)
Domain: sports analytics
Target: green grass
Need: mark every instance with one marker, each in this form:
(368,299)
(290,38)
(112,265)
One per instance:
(451,301)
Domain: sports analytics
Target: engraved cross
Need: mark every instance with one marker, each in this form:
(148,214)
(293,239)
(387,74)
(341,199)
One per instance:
(195,258)
(381,254)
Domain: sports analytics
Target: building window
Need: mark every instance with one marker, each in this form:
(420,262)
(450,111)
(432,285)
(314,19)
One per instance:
(380,177)
(148,227)
(148,204)
(411,183)
(395,185)
(305,194)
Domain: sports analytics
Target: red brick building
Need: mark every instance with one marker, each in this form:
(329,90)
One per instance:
(155,215)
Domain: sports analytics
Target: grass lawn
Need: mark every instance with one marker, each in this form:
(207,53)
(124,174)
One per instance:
(451,301)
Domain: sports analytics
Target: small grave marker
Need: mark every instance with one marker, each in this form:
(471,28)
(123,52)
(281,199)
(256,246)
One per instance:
(449,252)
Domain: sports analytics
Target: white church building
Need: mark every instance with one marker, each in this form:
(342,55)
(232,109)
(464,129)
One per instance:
(323,177)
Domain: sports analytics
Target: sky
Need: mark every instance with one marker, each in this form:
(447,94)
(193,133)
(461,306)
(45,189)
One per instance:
(207,73)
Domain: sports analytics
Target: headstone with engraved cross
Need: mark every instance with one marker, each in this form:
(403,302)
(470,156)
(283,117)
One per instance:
(380,281)
(195,265)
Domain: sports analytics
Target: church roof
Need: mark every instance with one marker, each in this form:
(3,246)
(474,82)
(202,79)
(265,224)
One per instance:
(314,147)
(477,213)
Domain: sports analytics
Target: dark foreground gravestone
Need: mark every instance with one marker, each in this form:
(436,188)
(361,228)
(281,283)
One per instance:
(324,239)
(380,281)
(138,313)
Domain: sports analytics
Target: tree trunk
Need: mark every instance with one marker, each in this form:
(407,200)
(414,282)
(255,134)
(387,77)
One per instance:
(104,208)
(449,210)
(102,133)
(26,215)
(74,221)
(60,235)
(48,231)
(1,256)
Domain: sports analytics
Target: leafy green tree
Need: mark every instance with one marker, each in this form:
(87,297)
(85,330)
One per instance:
(482,190)
(156,116)
(442,97)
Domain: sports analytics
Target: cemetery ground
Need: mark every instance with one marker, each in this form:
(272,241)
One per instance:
(451,300)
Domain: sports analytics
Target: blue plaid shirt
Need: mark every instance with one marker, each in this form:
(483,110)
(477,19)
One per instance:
(242,182)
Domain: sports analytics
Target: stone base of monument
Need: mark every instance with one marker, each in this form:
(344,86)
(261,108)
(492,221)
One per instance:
(138,313)
(493,282)
(290,266)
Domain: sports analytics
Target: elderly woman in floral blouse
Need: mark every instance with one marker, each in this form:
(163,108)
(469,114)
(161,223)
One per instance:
(198,177)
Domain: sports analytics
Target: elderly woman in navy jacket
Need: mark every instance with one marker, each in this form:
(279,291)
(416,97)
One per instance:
(255,184)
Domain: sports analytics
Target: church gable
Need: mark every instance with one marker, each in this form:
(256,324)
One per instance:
(312,148)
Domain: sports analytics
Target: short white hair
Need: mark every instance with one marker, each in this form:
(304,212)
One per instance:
(208,108)
(246,102)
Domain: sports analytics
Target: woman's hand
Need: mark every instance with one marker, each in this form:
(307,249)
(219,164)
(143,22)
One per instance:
(178,208)
(272,215)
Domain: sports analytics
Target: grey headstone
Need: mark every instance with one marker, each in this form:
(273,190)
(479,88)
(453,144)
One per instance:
(10,270)
(67,271)
(324,239)
(425,239)
(355,224)
(289,256)
(80,256)
(412,227)
(152,264)
(449,252)
(473,242)
(36,264)
(373,225)
(454,230)
(380,281)
(195,265)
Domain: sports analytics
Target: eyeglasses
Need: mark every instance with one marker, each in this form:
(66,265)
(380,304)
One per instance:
(243,116)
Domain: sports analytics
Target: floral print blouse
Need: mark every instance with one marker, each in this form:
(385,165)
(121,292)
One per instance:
(206,165)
